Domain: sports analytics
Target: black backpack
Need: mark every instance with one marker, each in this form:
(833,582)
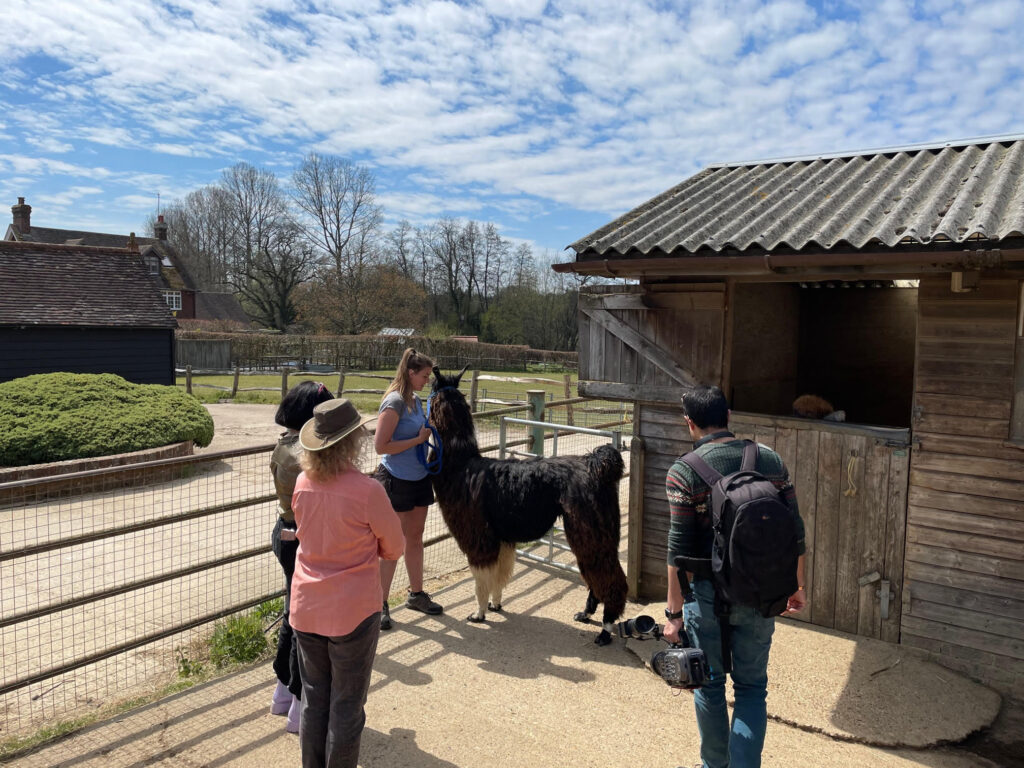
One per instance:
(754,555)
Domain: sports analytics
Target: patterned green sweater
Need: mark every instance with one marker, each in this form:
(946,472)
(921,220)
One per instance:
(689,500)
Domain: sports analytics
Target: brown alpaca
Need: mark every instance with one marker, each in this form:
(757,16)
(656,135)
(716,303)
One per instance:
(811,407)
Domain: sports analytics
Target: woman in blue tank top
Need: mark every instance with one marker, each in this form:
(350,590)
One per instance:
(401,426)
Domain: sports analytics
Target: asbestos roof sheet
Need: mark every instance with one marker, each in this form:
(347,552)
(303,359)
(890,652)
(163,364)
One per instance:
(61,285)
(943,194)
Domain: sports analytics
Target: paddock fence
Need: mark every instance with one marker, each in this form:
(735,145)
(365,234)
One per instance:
(114,579)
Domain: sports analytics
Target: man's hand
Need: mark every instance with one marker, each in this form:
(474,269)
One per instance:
(796,603)
(672,627)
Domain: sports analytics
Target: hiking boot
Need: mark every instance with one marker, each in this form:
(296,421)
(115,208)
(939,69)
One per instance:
(385,617)
(420,601)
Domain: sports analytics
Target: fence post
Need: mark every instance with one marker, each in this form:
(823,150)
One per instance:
(568,394)
(234,385)
(188,379)
(472,391)
(284,381)
(341,381)
(536,398)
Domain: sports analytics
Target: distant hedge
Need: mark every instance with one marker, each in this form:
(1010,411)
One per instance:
(60,416)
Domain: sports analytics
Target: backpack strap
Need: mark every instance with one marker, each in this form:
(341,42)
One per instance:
(706,472)
(749,456)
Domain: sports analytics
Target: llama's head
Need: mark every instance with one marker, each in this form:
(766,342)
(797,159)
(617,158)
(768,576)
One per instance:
(449,411)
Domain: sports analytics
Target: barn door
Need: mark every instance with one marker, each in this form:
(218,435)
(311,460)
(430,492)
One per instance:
(650,342)
(851,485)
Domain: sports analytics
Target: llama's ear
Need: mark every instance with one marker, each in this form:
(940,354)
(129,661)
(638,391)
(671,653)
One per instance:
(458,376)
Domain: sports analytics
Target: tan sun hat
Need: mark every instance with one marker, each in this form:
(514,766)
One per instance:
(332,420)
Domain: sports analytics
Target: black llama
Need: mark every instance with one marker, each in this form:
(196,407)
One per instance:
(491,504)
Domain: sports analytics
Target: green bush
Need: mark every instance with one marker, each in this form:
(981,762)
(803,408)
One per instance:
(60,416)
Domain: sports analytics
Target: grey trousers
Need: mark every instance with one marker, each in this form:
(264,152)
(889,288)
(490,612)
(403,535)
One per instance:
(335,675)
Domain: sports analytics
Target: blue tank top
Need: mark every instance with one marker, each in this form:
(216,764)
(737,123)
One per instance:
(405,465)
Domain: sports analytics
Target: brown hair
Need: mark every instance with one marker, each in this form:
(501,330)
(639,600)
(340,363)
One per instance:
(321,466)
(411,361)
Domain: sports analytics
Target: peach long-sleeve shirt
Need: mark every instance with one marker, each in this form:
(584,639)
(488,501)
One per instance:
(344,527)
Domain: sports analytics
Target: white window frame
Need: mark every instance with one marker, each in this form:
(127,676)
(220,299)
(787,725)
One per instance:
(173,299)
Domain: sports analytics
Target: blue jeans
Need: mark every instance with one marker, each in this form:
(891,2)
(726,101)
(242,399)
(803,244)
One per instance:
(737,745)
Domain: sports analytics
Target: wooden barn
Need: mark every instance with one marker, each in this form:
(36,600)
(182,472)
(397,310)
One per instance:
(888,283)
(82,309)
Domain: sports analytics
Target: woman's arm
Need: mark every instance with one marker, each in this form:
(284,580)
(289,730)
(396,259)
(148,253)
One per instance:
(382,442)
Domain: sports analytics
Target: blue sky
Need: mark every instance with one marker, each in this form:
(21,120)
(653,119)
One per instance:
(548,118)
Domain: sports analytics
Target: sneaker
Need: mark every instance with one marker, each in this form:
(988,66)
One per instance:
(420,601)
(385,617)
(294,715)
(282,700)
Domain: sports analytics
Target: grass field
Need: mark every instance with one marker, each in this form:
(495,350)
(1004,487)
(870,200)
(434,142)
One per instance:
(367,402)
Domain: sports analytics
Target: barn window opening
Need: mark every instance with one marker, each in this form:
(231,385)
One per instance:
(851,343)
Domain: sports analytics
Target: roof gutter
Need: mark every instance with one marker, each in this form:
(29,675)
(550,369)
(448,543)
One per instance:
(772,264)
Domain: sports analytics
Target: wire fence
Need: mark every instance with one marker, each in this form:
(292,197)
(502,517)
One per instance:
(112,578)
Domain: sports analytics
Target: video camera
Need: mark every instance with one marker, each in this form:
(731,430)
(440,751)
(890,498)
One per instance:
(680,665)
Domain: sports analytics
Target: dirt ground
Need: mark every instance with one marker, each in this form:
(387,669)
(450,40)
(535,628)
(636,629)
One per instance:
(529,687)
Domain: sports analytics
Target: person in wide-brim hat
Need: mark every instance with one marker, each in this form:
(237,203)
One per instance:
(346,525)
(332,421)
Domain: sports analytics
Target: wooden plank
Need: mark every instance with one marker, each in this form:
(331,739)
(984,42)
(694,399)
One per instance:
(969,601)
(995,370)
(937,289)
(969,465)
(895,540)
(991,546)
(635,520)
(975,350)
(946,328)
(888,434)
(849,540)
(826,529)
(972,427)
(656,301)
(970,505)
(957,406)
(968,310)
(641,343)
(969,524)
(957,616)
(974,582)
(876,493)
(966,561)
(993,448)
(975,486)
(804,473)
(583,346)
(1017,421)
(945,384)
(969,638)
(608,390)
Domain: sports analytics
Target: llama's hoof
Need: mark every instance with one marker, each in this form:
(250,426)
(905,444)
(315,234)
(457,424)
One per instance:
(604,637)
(583,617)
(493,607)
(477,618)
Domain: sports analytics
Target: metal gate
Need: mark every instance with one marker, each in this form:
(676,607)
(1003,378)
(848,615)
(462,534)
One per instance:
(555,538)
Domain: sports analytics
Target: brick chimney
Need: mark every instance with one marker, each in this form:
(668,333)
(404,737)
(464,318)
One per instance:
(160,228)
(22,216)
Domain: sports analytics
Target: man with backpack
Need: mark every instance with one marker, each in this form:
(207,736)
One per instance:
(736,532)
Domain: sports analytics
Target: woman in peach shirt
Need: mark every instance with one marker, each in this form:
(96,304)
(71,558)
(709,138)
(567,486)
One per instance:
(346,525)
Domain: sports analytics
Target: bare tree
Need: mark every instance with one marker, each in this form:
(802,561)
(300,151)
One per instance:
(200,227)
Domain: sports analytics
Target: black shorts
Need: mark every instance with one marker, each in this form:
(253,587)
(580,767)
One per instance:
(405,494)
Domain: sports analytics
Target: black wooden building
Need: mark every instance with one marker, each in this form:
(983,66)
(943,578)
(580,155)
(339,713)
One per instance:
(82,309)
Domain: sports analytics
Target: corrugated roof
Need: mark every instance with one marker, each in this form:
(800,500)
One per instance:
(46,285)
(937,194)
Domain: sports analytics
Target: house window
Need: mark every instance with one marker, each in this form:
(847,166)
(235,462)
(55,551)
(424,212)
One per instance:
(173,299)
(154,265)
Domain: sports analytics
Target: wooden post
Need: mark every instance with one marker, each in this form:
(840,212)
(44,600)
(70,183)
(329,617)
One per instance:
(536,398)
(284,381)
(472,391)
(188,379)
(234,385)
(568,394)
(635,515)
(341,381)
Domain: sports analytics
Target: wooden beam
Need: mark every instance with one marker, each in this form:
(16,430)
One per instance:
(642,344)
(659,300)
(613,390)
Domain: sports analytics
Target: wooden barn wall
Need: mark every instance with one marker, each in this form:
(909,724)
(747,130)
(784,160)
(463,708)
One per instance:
(141,355)
(964,595)
(692,336)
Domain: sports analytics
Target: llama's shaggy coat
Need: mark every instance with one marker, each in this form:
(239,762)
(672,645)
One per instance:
(490,505)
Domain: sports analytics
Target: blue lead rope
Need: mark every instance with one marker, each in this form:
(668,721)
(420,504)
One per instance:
(432,467)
